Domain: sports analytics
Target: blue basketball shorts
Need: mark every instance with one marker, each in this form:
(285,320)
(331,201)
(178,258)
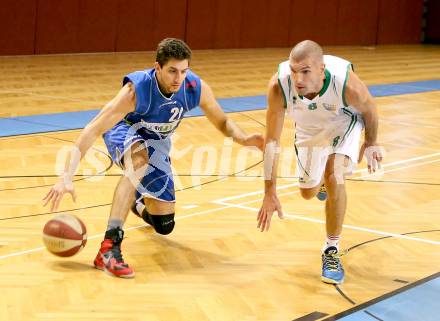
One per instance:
(157,182)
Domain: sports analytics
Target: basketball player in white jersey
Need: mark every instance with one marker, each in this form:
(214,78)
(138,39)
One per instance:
(330,106)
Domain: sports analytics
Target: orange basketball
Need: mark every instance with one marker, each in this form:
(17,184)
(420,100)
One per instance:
(65,235)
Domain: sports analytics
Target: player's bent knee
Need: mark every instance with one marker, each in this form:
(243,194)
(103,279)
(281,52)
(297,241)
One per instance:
(139,162)
(334,184)
(135,163)
(163,224)
(307,193)
(333,180)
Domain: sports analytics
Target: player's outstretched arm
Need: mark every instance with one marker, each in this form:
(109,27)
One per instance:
(274,125)
(218,118)
(112,113)
(358,96)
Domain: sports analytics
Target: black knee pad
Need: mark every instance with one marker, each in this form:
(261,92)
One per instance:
(163,224)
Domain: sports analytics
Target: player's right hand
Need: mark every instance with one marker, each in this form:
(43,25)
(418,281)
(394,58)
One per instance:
(256,140)
(57,192)
(271,203)
(374,155)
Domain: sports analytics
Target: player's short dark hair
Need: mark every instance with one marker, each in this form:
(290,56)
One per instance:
(172,48)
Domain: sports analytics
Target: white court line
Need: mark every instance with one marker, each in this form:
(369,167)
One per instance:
(350,227)
(22,252)
(363,176)
(188,207)
(2,257)
(408,124)
(220,201)
(411,159)
(242,207)
(409,166)
(227,205)
(403,146)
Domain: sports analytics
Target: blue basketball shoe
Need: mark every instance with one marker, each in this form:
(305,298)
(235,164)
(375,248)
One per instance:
(322,194)
(332,270)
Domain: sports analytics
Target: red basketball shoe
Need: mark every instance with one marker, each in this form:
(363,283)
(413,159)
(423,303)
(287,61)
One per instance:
(109,257)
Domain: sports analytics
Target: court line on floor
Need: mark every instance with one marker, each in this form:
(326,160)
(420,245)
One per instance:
(304,218)
(401,123)
(228,205)
(125,229)
(403,146)
(350,227)
(355,172)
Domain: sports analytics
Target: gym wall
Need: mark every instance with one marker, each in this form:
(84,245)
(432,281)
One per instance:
(69,26)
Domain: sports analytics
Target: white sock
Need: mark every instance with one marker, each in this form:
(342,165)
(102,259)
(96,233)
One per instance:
(114,223)
(140,208)
(331,241)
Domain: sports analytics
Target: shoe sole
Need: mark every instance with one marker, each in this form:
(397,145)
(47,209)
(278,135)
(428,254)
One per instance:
(330,281)
(124,276)
(99,268)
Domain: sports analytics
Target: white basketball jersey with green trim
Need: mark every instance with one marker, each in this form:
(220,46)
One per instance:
(320,120)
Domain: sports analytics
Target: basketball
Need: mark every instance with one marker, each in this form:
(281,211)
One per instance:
(64,235)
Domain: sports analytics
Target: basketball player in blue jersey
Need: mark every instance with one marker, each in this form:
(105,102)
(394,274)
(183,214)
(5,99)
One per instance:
(330,106)
(136,125)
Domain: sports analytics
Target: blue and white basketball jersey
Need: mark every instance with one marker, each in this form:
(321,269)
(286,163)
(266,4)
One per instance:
(156,116)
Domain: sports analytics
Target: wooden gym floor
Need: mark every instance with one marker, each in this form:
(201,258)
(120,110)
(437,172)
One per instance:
(216,265)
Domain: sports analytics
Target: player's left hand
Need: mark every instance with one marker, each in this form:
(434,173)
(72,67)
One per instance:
(56,193)
(271,204)
(256,140)
(374,155)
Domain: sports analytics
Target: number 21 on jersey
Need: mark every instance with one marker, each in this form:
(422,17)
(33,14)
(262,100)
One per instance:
(176,113)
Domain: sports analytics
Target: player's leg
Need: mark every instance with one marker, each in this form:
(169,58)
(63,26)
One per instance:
(335,208)
(318,168)
(311,180)
(109,257)
(339,164)
(132,155)
(157,213)
(310,192)
(336,203)
(155,196)
(124,194)
(310,168)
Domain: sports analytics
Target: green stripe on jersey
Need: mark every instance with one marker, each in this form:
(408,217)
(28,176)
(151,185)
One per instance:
(349,66)
(352,123)
(281,87)
(299,161)
(327,79)
(350,127)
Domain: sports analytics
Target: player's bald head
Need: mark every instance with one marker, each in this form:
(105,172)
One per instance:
(307,68)
(307,49)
